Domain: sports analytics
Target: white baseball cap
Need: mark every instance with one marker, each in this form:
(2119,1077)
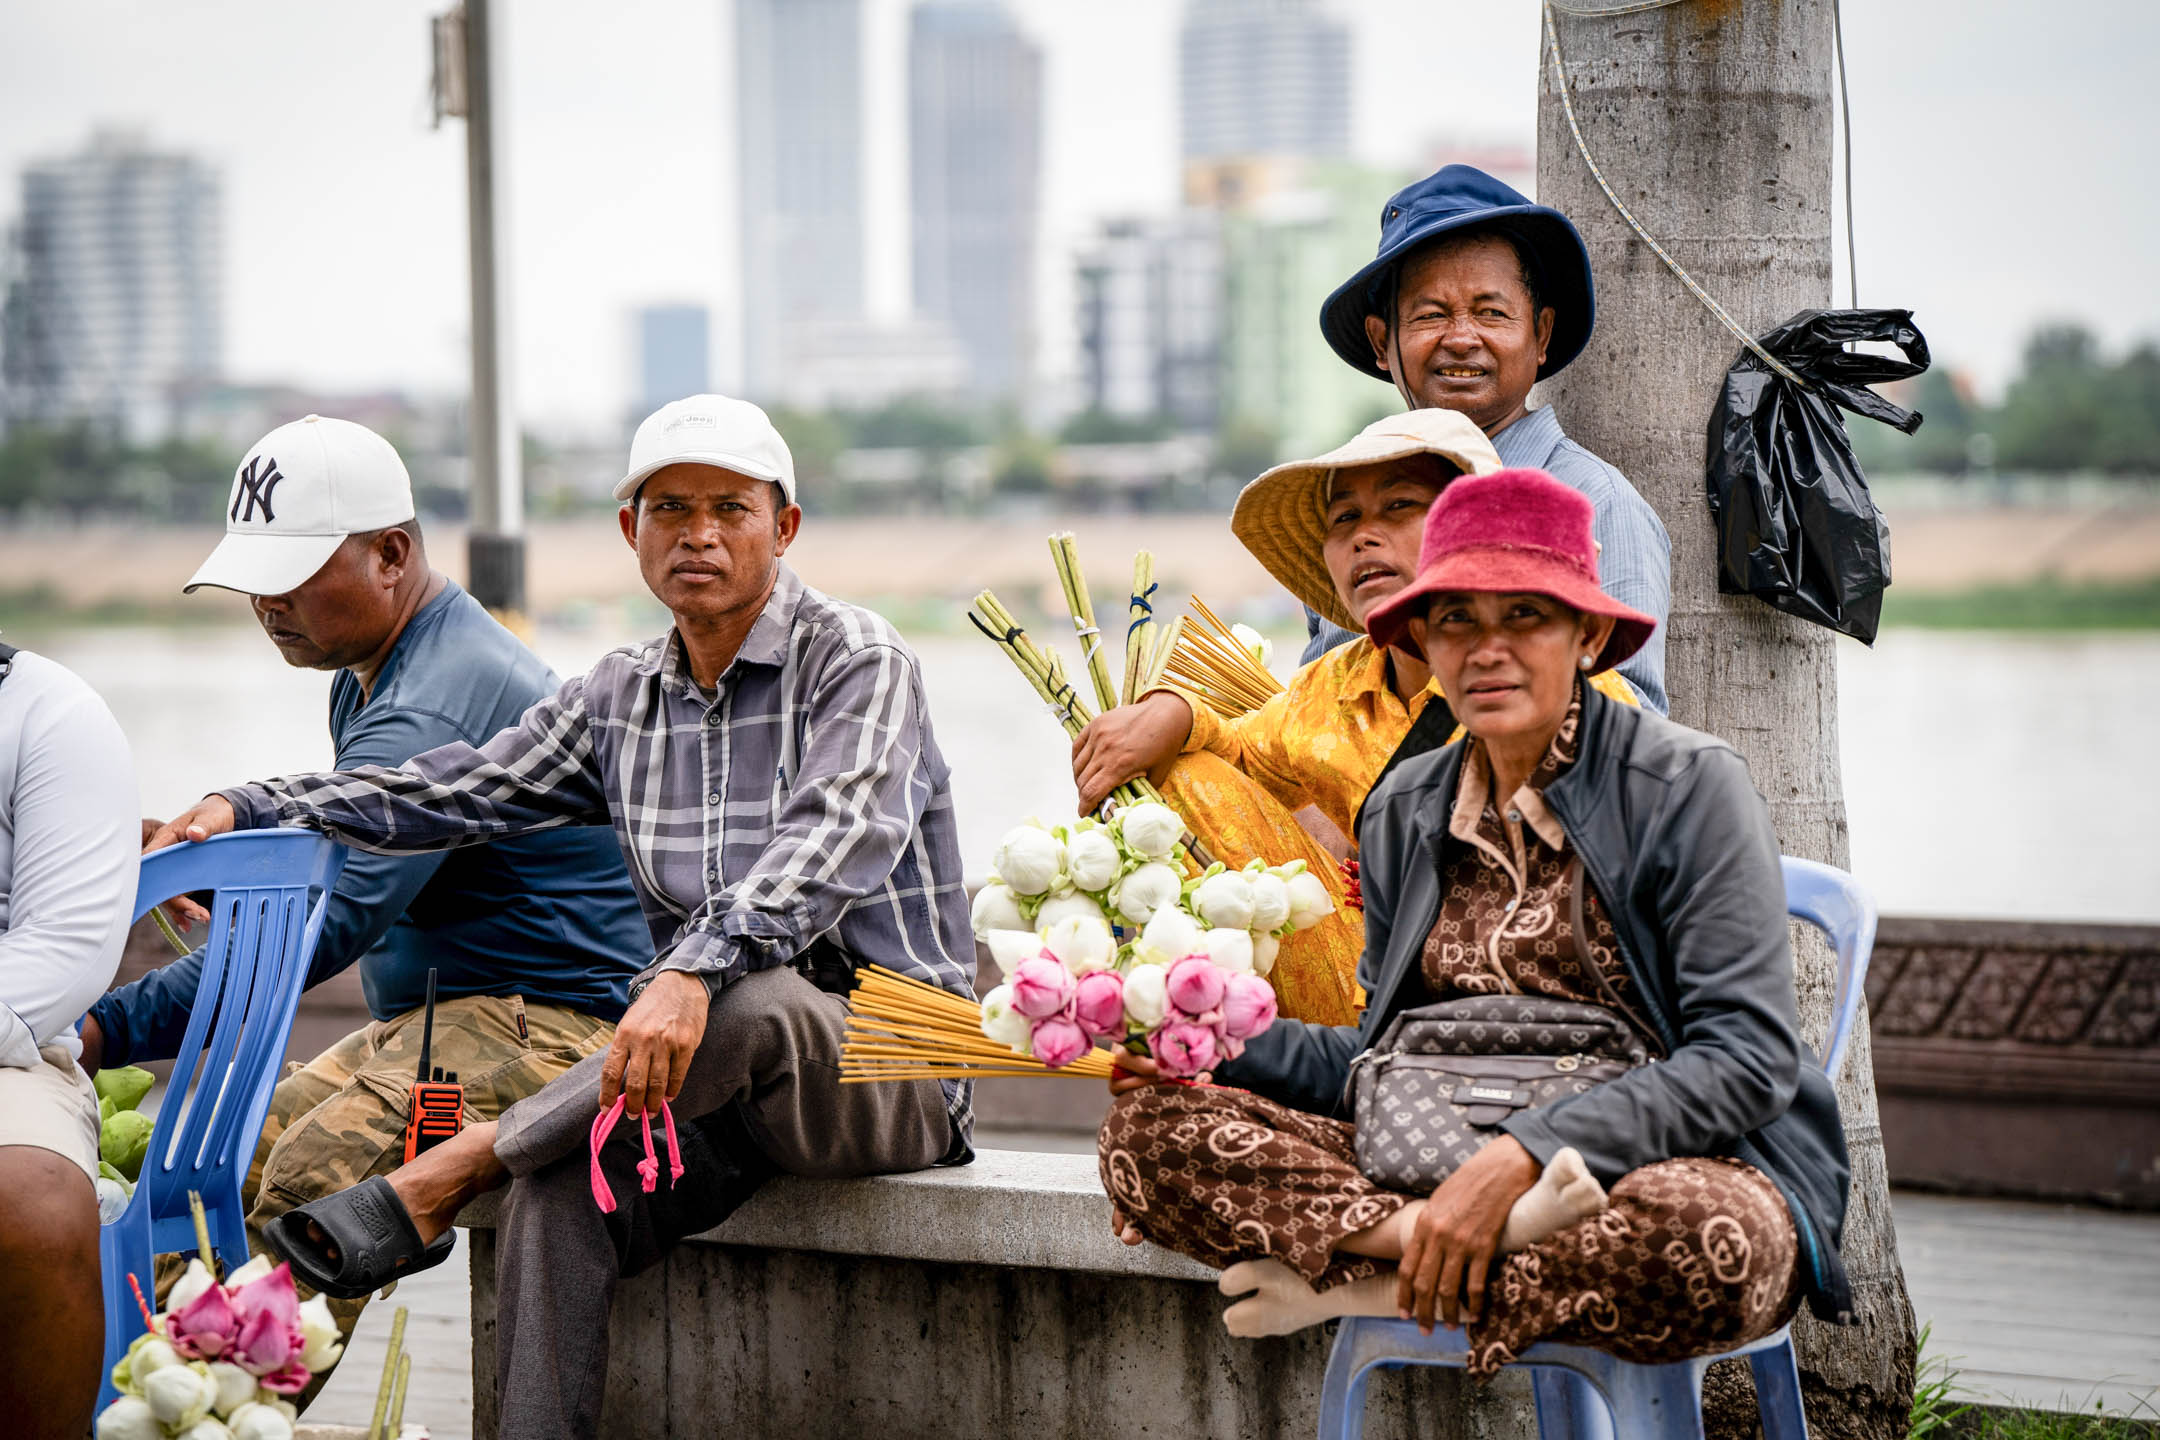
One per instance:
(709,430)
(301,490)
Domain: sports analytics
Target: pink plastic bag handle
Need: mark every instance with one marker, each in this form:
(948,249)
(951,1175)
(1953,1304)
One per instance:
(649,1168)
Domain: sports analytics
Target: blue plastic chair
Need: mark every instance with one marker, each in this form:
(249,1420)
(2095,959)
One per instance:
(1585,1394)
(262,936)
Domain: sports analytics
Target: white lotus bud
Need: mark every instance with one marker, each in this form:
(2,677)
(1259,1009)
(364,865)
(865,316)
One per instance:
(149,1355)
(1009,947)
(191,1284)
(1004,1024)
(1082,942)
(235,1387)
(207,1428)
(1264,948)
(129,1418)
(1231,950)
(1224,901)
(319,1334)
(1146,892)
(1256,645)
(1270,902)
(256,1268)
(179,1395)
(1147,995)
(1310,902)
(1029,859)
(1150,829)
(260,1422)
(112,1200)
(1092,860)
(995,909)
(1171,936)
(1069,904)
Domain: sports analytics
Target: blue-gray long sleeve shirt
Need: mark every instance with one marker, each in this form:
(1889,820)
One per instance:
(550,916)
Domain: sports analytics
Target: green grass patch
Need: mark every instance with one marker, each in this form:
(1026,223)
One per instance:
(2046,604)
(1943,1410)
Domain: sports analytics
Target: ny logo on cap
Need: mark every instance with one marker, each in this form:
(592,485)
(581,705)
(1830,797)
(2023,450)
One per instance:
(256,482)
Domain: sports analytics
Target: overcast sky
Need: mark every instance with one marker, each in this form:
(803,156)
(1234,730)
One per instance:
(2004,160)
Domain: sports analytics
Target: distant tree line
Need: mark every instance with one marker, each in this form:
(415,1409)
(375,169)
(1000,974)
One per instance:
(2069,409)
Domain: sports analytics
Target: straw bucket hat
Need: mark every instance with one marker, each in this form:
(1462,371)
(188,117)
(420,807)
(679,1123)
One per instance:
(1282,516)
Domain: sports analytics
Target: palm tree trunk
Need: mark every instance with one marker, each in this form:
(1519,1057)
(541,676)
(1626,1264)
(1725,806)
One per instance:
(1712,120)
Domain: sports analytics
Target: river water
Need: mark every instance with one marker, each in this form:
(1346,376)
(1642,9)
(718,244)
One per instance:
(1985,774)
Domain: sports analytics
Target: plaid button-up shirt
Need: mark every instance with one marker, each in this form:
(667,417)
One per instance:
(804,799)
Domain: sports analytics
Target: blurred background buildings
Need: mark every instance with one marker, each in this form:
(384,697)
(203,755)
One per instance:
(1139,356)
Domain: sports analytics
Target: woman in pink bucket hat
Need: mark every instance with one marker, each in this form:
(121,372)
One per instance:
(1569,867)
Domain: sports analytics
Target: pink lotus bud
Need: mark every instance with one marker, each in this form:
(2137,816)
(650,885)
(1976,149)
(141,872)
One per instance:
(1182,1048)
(205,1327)
(1099,1005)
(1196,984)
(290,1379)
(1248,1006)
(269,1336)
(1232,1047)
(1058,1042)
(1041,987)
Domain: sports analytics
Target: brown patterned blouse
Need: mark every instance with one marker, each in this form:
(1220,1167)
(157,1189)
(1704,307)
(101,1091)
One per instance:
(1517,913)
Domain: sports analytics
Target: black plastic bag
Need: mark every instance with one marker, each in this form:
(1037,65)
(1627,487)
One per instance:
(1796,525)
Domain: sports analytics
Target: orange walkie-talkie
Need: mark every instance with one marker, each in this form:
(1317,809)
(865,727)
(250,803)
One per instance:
(438,1101)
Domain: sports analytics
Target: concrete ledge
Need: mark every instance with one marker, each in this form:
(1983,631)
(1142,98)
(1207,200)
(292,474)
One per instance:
(1011,1207)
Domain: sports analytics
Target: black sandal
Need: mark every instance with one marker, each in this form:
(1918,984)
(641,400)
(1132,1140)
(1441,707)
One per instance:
(374,1235)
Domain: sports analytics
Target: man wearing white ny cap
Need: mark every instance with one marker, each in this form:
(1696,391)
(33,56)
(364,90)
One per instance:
(769,770)
(533,941)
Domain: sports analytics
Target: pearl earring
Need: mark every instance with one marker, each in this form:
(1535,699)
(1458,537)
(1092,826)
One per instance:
(1587,661)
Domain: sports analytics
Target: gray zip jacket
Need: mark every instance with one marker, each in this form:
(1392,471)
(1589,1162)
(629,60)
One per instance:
(1680,849)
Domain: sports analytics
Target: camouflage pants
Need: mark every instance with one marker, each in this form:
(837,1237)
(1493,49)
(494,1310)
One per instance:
(340,1118)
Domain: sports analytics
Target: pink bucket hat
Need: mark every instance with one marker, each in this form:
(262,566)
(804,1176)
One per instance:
(1508,532)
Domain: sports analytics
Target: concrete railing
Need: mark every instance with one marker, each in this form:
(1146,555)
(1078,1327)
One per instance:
(987,1300)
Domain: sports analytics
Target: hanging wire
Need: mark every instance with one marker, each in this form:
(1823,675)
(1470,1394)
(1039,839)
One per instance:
(1582,146)
(1844,95)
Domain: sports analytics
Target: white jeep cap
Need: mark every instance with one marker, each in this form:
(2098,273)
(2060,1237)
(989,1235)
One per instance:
(709,430)
(301,490)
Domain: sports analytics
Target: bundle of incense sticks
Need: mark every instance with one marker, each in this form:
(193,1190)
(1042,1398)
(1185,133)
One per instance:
(1208,660)
(903,1029)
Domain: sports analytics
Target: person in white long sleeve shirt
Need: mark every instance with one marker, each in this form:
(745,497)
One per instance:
(69,840)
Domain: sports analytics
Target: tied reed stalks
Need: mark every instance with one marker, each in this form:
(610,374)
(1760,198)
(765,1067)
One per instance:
(903,1029)
(1140,625)
(1065,555)
(1209,661)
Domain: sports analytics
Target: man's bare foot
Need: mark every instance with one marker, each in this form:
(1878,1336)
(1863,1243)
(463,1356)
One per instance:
(438,1184)
(1281,1301)
(1565,1193)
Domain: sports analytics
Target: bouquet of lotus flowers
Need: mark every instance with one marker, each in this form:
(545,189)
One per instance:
(219,1363)
(1097,938)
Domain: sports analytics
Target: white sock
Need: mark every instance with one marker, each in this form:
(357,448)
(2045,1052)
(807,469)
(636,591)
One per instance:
(1278,1300)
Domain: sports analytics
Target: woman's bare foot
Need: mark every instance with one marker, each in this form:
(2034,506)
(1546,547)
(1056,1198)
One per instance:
(1565,1193)
(1281,1301)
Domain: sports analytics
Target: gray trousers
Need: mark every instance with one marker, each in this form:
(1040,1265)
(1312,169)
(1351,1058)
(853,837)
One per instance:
(772,1040)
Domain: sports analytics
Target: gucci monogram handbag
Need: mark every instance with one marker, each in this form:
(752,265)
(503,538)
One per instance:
(1444,1077)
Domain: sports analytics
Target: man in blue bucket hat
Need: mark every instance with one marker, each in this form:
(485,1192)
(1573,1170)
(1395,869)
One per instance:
(1476,294)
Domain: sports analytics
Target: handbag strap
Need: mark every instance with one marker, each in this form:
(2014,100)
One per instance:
(1578,922)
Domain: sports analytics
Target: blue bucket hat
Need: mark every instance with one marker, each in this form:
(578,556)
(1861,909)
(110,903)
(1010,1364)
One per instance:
(1458,198)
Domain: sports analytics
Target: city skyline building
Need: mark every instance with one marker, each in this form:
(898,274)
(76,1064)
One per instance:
(975,103)
(115,303)
(1149,293)
(674,345)
(799,88)
(1258,81)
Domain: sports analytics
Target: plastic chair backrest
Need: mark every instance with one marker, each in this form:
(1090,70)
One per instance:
(261,940)
(1836,904)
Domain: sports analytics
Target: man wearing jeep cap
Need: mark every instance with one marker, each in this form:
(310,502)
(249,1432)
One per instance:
(769,769)
(534,940)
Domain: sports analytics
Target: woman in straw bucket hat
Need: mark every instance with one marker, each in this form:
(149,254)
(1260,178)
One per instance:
(1341,532)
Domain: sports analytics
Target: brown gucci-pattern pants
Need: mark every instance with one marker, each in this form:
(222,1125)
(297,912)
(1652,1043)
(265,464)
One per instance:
(1691,1257)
